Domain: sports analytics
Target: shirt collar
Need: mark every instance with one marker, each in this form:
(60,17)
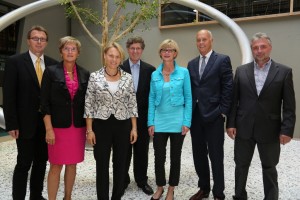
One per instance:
(160,67)
(207,55)
(34,57)
(131,63)
(265,67)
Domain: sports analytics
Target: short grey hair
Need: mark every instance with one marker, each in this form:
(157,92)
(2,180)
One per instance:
(261,35)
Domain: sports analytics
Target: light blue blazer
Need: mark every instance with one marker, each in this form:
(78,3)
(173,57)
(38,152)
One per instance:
(180,89)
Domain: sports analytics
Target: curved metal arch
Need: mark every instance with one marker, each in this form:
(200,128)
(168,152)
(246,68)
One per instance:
(243,42)
(241,37)
(226,22)
(23,11)
(17,14)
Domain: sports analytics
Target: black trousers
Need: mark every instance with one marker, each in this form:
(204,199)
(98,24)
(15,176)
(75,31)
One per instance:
(208,140)
(159,143)
(140,155)
(269,154)
(111,134)
(32,153)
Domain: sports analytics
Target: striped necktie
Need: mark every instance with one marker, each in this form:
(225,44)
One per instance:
(202,67)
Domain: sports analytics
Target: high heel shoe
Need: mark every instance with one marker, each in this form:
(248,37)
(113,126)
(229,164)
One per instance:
(158,197)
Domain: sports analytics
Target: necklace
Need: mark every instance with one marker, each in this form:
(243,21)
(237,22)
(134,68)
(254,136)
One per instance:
(111,74)
(71,72)
(167,74)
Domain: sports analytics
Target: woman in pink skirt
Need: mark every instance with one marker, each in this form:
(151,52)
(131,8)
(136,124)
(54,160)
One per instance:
(62,96)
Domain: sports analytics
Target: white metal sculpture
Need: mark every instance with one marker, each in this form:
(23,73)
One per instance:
(226,22)
(238,33)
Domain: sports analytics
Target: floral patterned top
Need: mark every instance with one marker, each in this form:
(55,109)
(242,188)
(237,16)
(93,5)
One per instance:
(100,103)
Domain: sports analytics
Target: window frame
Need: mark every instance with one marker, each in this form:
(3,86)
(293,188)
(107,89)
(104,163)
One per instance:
(240,19)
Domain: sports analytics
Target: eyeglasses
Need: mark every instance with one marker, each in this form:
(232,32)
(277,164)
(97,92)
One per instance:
(168,50)
(135,49)
(37,39)
(67,49)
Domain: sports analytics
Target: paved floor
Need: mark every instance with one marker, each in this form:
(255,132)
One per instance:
(84,189)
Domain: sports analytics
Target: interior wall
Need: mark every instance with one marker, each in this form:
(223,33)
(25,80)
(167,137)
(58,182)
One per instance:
(53,19)
(284,32)
(285,40)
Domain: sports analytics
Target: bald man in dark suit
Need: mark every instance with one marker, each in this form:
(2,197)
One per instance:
(211,80)
(262,115)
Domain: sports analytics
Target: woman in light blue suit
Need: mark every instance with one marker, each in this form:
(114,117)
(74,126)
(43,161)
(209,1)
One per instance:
(169,115)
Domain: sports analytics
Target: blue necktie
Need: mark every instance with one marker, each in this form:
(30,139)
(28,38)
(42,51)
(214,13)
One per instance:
(135,76)
(202,67)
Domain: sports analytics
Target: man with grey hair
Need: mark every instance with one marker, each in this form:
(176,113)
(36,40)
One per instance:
(141,75)
(262,115)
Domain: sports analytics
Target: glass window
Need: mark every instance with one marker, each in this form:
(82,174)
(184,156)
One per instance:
(8,38)
(172,13)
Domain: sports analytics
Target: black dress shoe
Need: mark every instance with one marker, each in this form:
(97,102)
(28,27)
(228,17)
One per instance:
(200,195)
(146,189)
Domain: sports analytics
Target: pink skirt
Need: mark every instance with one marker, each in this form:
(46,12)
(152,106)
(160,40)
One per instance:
(69,146)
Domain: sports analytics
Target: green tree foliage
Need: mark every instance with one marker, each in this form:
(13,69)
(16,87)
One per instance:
(126,16)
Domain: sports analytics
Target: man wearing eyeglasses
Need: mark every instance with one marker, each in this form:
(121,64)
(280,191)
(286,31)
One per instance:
(23,119)
(141,75)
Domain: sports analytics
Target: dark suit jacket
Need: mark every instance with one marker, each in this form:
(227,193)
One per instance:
(265,116)
(21,94)
(214,91)
(142,94)
(56,99)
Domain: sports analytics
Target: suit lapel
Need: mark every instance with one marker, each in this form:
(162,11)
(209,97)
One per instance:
(126,66)
(60,74)
(79,77)
(46,60)
(250,75)
(210,64)
(271,75)
(141,77)
(196,68)
(30,67)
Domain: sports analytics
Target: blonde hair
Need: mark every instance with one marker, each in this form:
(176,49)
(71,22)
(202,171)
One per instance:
(67,40)
(168,43)
(116,46)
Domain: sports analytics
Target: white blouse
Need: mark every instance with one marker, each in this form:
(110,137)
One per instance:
(113,86)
